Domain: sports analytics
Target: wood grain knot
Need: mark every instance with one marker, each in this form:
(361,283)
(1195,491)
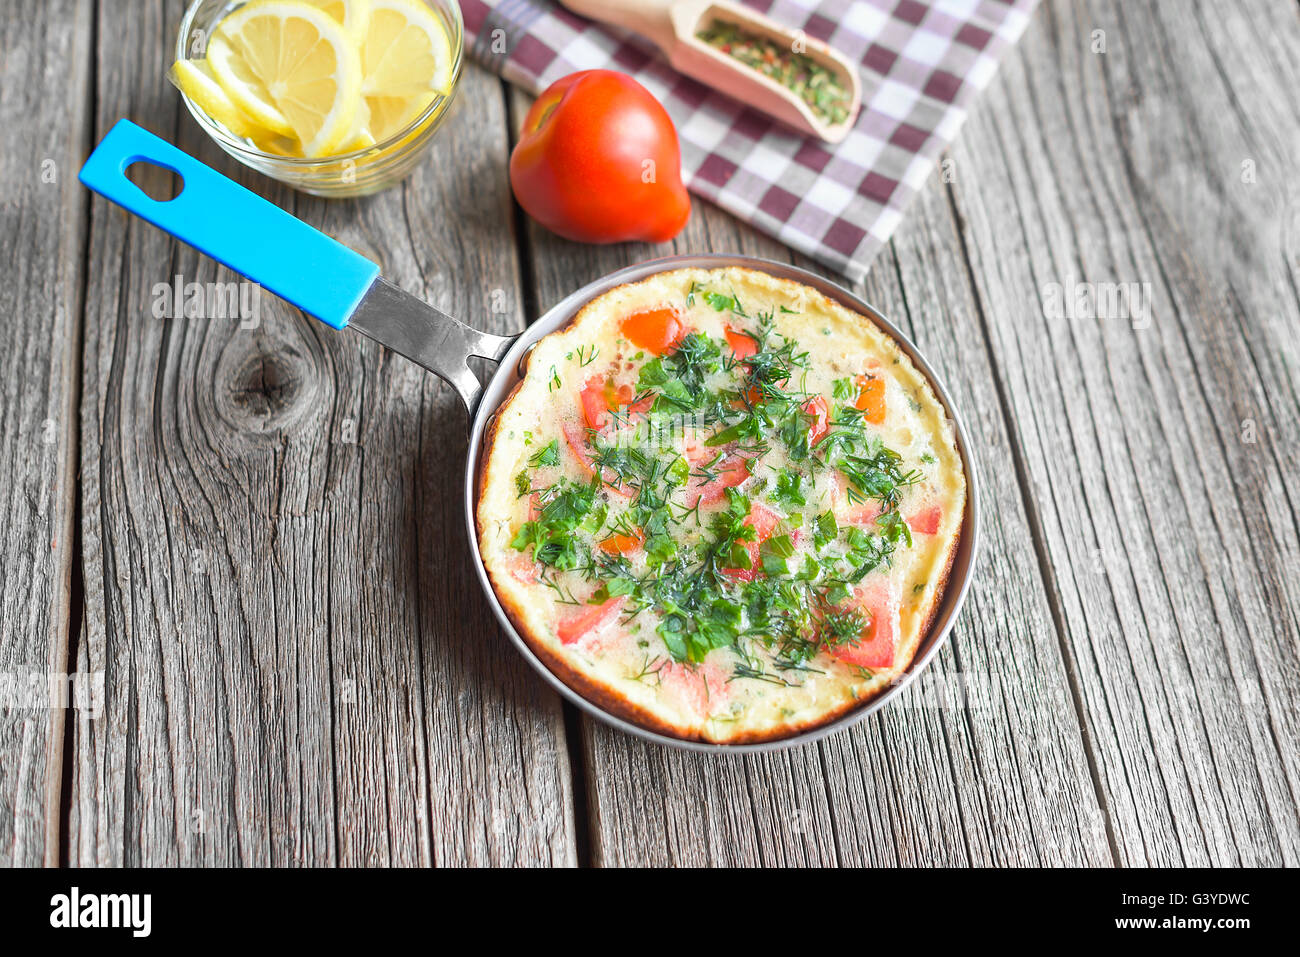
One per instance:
(264,386)
(268,390)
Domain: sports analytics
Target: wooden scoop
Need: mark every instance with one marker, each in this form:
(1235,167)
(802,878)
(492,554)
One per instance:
(673,25)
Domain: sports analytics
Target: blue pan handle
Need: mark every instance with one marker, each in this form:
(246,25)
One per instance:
(255,238)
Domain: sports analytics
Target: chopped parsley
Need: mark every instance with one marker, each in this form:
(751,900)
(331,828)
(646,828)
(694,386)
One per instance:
(549,455)
(721,303)
(788,491)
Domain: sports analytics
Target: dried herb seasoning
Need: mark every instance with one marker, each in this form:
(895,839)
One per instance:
(815,84)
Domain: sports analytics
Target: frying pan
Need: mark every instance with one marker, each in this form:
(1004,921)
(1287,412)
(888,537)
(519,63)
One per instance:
(343,289)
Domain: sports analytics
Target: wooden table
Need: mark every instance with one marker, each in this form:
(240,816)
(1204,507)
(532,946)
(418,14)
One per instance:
(256,536)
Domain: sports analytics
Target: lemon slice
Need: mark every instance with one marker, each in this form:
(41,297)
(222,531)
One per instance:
(194,78)
(244,89)
(389,115)
(353,14)
(291,61)
(405,50)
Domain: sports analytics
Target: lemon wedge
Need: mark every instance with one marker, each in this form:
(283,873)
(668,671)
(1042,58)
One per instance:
(353,14)
(195,79)
(405,51)
(360,138)
(293,69)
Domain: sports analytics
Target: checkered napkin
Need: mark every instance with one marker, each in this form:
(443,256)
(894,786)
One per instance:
(923,62)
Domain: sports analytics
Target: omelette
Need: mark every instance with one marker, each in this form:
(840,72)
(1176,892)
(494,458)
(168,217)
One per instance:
(721,506)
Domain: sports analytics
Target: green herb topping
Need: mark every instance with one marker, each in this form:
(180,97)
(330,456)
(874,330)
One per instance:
(731,551)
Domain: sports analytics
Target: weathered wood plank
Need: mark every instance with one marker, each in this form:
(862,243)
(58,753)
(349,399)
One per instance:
(299,666)
(1160,449)
(44,59)
(992,776)
(1002,742)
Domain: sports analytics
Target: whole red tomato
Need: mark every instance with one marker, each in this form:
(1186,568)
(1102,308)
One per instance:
(598,161)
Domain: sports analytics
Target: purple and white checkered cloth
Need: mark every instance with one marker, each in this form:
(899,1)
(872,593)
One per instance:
(923,62)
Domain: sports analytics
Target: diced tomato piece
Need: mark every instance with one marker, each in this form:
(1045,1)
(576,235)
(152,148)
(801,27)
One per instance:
(595,403)
(655,330)
(639,407)
(742,345)
(732,470)
(848,512)
(821,414)
(871,398)
(620,544)
(600,395)
(926,521)
(753,396)
(746,574)
(762,520)
(577,442)
(524,569)
(875,648)
(587,619)
(862,514)
(702,688)
(578,445)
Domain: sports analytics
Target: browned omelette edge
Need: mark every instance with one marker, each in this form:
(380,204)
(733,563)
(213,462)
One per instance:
(603,695)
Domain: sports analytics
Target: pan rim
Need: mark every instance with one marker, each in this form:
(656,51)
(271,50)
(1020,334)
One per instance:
(964,560)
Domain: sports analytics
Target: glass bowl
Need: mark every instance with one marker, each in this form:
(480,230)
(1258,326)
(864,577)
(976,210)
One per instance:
(358,173)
